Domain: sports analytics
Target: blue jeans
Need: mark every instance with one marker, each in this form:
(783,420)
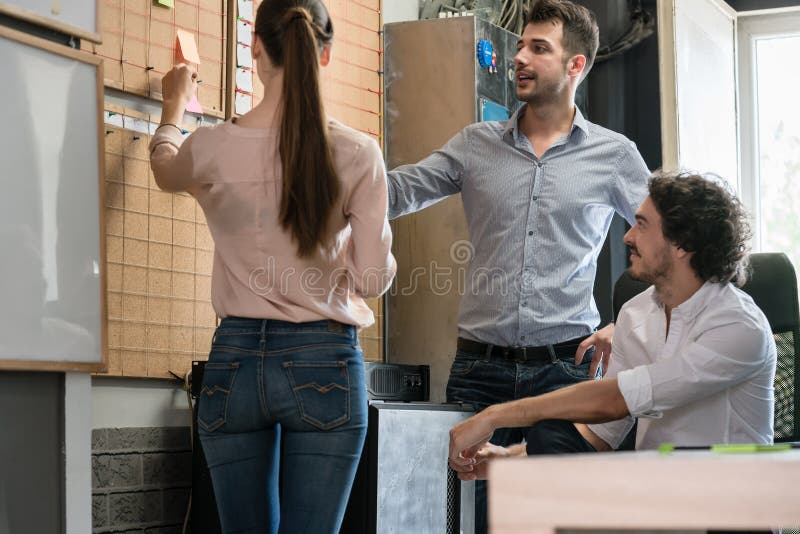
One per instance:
(304,381)
(482,382)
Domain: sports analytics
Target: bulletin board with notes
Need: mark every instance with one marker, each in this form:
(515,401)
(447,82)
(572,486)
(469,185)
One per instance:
(141,41)
(159,249)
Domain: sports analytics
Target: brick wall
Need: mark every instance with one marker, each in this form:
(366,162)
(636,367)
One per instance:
(141,479)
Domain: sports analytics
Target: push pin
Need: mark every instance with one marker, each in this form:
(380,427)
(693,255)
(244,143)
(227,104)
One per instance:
(109,132)
(149,68)
(136,138)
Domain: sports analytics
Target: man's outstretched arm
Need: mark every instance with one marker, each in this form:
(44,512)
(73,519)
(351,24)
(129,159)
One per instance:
(417,186)
(596,401)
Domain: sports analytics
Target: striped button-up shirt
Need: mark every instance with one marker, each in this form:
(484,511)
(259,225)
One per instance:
(536,223)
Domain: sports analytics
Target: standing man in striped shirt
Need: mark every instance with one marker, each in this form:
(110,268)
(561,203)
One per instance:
(539,192)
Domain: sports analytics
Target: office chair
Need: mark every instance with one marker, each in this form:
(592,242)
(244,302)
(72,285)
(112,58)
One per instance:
(772,284)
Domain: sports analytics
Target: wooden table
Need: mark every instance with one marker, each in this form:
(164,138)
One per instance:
(645,490)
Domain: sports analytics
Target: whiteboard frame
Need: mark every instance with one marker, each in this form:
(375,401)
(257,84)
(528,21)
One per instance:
(97,62)
(667,87)
(753,25)
(27,15)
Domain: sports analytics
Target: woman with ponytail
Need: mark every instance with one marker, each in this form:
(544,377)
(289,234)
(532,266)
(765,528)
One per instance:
(296,204)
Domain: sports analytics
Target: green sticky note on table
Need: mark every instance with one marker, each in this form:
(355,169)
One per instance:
(666,448)
(733,449)
(166,3)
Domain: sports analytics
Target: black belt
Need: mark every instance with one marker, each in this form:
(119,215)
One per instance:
(544,353)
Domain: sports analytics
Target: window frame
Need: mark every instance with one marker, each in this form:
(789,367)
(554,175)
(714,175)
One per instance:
(752,26)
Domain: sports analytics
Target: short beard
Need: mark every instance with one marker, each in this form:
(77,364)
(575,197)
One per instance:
(540,100)
(654,277)
(547,95)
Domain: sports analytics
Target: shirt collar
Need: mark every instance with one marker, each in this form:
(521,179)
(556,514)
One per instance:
(511,130)
(580,122)
(691,307)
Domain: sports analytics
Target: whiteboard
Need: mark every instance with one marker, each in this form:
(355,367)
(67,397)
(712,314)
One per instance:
(52,269)
(80,18)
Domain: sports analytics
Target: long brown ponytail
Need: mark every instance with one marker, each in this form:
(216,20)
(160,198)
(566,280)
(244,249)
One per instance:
(293,33)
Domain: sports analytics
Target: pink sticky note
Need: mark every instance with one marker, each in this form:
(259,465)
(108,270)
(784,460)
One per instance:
(186,48)
(194,105)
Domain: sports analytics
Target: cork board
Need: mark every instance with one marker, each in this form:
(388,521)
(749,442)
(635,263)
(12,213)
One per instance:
(159,256)
(352,83)
(138,46)
(352,86)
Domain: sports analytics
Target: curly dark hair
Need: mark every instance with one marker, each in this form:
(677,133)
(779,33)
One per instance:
(701,215)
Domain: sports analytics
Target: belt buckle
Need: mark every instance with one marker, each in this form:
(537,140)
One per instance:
(516,353)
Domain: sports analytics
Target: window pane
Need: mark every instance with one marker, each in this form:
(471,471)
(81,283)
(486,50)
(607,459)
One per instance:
(779,146)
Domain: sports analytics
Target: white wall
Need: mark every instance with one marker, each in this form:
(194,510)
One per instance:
(138,402)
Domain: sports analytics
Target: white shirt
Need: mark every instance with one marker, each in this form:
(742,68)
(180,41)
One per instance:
(709,382)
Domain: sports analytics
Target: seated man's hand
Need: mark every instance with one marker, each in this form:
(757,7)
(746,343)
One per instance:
(601,341)
(466,439)
(479,469)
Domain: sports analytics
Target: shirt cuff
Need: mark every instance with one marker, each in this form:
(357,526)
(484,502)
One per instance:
(167,134)
(637,390)
(613,432)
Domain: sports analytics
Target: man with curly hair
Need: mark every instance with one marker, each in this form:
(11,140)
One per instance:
(694,358)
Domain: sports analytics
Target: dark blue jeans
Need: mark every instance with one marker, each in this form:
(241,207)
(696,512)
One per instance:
(305,381)
(482,382)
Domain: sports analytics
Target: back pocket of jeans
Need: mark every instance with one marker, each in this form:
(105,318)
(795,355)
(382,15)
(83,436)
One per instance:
(218,381)
(322,392)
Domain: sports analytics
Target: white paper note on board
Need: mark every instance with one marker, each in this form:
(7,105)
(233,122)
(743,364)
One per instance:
(243,56)
(244,32)
(113,119)
(244,80)
(246,10)
(243,103)
(136,125)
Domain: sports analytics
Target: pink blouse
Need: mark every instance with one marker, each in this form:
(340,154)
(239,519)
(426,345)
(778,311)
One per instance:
(235,175)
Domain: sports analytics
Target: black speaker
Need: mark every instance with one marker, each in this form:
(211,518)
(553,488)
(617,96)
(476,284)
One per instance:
(395,382)
(403,483)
